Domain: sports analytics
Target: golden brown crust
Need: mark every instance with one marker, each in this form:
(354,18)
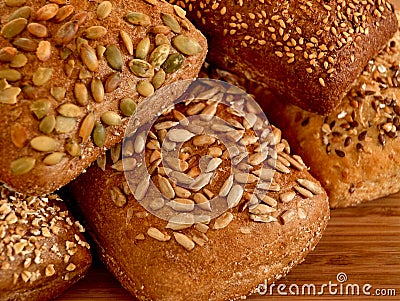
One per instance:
(20,125)
(42,250)
(354,150)
(308,52)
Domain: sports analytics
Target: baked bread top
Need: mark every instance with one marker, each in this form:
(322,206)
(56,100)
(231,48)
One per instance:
(308,52)
(72,73)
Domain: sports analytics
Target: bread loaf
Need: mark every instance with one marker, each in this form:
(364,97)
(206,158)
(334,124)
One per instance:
(307,52)
(354,151)
(42,252)
(183,251)
(71,74)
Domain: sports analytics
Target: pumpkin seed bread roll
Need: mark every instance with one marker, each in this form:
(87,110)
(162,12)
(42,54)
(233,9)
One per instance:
(354,151)
(42,249)
(308,52)
(71,75)
(179,249)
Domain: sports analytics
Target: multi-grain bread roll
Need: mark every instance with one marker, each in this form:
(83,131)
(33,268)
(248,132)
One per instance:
(71,74)
(307,51)
(354,151)
(42,252)
(184,251)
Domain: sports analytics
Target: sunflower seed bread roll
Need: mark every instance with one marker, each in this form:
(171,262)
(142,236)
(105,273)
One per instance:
(42,249)
(358,143)
(191,255)
(71,75)
(307,52)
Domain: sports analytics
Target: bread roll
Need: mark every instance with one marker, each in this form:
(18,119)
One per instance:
(42,252)
(71,74)
(307,52)
(184,251)
(354,151)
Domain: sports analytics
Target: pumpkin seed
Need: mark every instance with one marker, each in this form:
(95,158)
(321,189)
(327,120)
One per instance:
(65,124)
(65,53)
(158,79)
(159,55)
(97,89)
(127,41)
(58,93)
(7,54)
(44,144)
(81,94)
(47,124)
(173,63)
(22,165)
(25,44)
(187,45)
(171,22)
(145,88)
(89,58)
(53,158)
(63,13)
(112,82)
(127,106)
(95,32)
(160,29)
(41,76)
(137,18)
(10,75)
(14,27)
(40,108)
(99,135)
(143,48)
(87,127)
(73,148)
(111,118)
(85,74)
(100,49)
(141,68)
(180,11)
(66,33)
(43,52)
(15,3)
(22,12)
(161,39)
(19,137)
(47,12)
(38,30)
(69,110)
(104,9)
(114,57)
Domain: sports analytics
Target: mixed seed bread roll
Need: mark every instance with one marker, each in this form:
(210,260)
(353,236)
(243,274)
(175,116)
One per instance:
(354,151)
(308,52)
(42,249)
(178,249)
(71,75)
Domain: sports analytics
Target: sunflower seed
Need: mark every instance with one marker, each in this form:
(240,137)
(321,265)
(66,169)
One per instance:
(258,158)
(201,181)
(201,227)
(301,213)
(47,124)
(213,164)
(114,57)
(234,196)
(173,63)
(176,164)
(261,209)
(288,216)
(248,140)
(165,125)
(181,178)
(287,197)
(87,127)
(181,205)
(280,167)
(117,197)
(263,218)
(223,221)
(22,165)
(9,95)
(126,39)
(80,18)
(18,135)
(137,18)
(203,140)
(182,192)
(165,187)
(304,192)
(180,221)
(113,81)
(145,88)
(184,241)
(157,204)
(46,12)
(157,234)
(187,45)
(7,54)
(44,144)
(245,178)
(202,201)
(222,128)
(14,28)
(236,160)
(195,109)
(226,187)
(88,56)
(312,186)
(97,89)
(111,118)
(180,135)
(63,13)
(15,3)
(40,108)
(53,158)
(180,11)
(41,76)
(159,55)
(140,142)
(104,10)
(143,48)
(141,68)
(269,201)
(22,12)
(171,22)
(153,144)
(66,33)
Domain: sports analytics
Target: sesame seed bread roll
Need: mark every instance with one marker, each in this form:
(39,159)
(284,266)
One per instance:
(307,52)
(42,249)
(354,151)
(71,75)
(270,222)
